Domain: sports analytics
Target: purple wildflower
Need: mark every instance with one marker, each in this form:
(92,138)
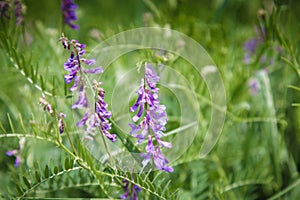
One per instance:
(68,8)
(131,190)
(251,45)
(101,114)
(93,120)
(4,8)
(152,125)
(46,105)
(18,12)
(17,152)
(254,86)
(61,123)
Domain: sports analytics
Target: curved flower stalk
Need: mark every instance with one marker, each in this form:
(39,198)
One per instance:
(17,152)
(152,125)
(68,8)
(92,119)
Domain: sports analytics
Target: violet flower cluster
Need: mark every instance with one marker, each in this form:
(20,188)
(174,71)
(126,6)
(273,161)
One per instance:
(68,8)
(18,10)
(4,9)
(17,152)
(131,190)
(97,118)
(150,120)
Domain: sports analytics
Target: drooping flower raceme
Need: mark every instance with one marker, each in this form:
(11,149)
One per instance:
(17,152)
(68,8)
(99,119)
(152,125)
(93,118)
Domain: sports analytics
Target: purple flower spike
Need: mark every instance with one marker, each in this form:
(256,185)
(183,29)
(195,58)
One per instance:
(102,114)
(153,122)
(74,66)
(68,8)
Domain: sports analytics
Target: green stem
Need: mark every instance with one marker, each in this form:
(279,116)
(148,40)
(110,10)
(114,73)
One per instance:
(106,147)
(286,190)
(70,140)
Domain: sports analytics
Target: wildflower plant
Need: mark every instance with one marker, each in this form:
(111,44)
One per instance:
(138,114)
(152,125)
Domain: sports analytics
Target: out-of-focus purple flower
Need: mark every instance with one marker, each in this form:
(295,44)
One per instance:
(61,123)
(68,8)
(17,152)
(131,190)
(250,46)
(152,125)
(18,12)
(84,119)
(254,86)
(4,8)
(82,101)
(46,105)
(96,70)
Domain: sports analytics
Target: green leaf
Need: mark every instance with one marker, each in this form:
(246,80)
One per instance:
(10,123)
(37,177)
(19,189)
(42,82)
(22,124)
(26,182)
(2,128)
(67,164)
(55,170)
(46,172)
